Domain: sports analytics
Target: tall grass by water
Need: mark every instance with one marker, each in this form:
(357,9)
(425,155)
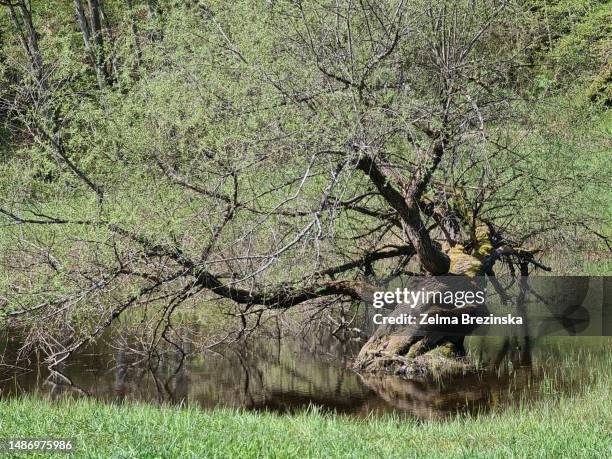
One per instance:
(568,427)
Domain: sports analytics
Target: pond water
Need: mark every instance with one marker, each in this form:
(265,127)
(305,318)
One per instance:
(291,374)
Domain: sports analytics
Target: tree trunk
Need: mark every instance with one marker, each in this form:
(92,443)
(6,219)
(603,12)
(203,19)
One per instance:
(406,204)
(135,36)
(91,30)
(415,350)
(21,19)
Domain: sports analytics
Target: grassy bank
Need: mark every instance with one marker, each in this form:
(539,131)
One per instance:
(569,427)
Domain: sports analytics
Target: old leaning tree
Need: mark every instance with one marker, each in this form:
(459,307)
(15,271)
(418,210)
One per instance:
(264,155)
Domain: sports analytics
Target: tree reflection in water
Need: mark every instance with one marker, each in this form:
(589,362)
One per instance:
(284,376)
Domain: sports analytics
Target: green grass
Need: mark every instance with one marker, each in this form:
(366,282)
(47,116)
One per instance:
(566,427)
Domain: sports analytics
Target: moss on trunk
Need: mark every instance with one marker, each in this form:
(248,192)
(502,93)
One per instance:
(407,353)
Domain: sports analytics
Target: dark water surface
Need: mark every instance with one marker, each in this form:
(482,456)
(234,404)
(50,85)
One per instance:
(290,375)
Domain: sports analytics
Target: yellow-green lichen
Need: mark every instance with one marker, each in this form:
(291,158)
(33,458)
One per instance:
(463,263)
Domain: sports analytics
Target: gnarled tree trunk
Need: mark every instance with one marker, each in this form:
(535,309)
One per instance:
(418,349)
